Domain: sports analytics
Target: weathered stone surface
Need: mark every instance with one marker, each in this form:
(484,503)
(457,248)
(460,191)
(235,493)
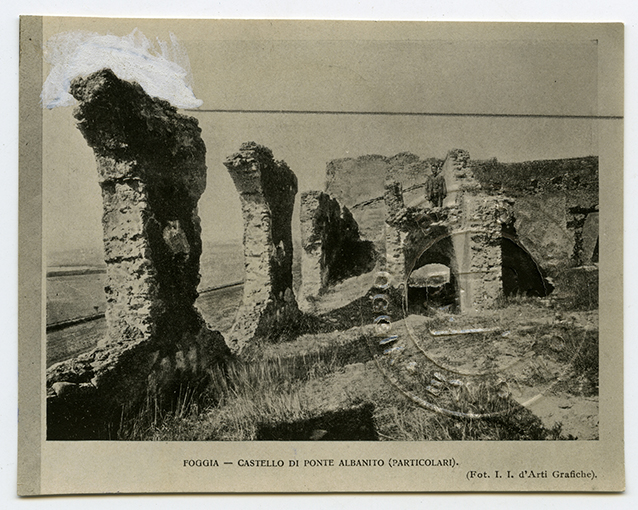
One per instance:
(151,167)
(464,235)
(395,236)
(540,210)
(267,190)
(576,177)
(478,255)
(332,247)
(354,180)
(152,170)
(541,226)
(458,176)
(358,184)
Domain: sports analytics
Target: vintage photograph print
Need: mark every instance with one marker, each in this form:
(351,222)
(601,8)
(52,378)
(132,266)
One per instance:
(306,249)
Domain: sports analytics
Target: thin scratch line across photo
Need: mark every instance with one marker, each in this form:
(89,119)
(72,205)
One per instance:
(411,114)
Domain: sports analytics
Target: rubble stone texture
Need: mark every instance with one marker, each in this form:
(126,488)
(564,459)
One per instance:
(458,176)
(471,219)
(395,236)
(582,225)
(332,247)
(590,238)
(151,168)
(267,190)
(478,248)
(541,226)
(359,183)
(415,236)
(476,233)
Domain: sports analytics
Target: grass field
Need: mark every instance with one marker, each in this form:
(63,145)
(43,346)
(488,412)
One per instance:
(530,374)
(74,296)
(297,390)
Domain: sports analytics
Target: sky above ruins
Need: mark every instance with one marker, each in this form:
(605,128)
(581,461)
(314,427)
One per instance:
(534,85)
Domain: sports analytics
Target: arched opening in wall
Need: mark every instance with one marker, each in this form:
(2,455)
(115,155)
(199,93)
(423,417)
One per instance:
(520,272)
(432,285)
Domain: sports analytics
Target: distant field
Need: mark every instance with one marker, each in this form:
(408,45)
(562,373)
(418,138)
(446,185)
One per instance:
(74,296)
(218,309)
(221,264)
(79,295)
(69,342)
(70,296)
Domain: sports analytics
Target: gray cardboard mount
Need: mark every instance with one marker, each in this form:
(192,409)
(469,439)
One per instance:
(81,467)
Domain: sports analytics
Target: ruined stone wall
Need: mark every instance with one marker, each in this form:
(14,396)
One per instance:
(476,230)
(358,184)
(477,241)
(556,206)
(395,232)
(582,223)
(267,190)
(332,249)
(559,230)
(541,227)
(551,222)
(465,235)
(355,180)
(415,236)
(151,168)
(458,176)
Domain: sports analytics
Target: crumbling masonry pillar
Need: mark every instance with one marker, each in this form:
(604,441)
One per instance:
(395,237)
(152,171)
(317,211)
(476,232)
(267,190)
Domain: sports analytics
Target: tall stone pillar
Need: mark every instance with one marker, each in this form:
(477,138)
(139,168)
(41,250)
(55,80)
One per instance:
(152,171)
(478,252)
(476,234)
(395,237)
(317,212)
(267,190)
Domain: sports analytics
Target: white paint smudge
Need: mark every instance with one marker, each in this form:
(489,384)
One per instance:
(163,73)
